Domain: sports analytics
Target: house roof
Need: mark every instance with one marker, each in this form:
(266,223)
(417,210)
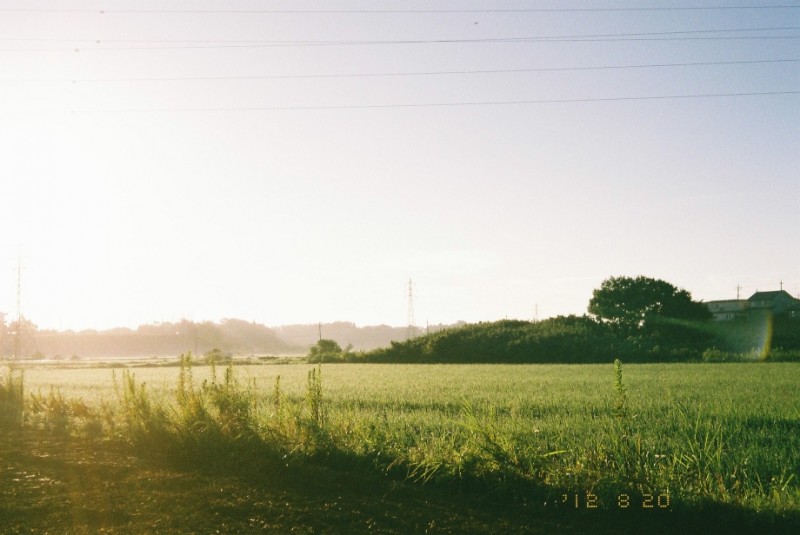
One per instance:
(779,301)
(770,296)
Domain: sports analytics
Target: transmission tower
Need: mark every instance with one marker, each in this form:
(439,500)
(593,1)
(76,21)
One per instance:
(18,330)
(411,327)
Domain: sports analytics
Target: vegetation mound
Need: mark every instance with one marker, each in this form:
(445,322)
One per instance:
(635,319)
(569,339)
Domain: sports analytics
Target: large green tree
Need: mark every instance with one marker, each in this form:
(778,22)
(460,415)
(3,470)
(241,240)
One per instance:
(646,306)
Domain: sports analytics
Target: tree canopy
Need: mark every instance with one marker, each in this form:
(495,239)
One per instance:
(635,305)
(326,351)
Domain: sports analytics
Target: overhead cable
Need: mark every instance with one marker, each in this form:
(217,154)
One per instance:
(402,74)
(394,11)
(413,105)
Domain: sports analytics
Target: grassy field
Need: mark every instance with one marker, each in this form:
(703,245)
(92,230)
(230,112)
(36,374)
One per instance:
(414,448)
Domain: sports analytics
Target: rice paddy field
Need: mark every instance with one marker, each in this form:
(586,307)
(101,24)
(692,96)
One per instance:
(532,448)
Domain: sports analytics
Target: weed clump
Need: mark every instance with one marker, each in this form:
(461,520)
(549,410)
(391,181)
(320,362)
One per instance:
(12,400)
(214,421)
(58,415)
(620,397)
(314,398)
(144,422)
(218,421)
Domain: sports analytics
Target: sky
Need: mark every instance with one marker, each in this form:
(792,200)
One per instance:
(300,161)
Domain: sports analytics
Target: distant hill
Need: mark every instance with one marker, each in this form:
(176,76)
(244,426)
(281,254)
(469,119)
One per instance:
(346,333)
(231,336)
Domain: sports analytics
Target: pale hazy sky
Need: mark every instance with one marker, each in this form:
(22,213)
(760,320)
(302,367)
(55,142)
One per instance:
(165,160)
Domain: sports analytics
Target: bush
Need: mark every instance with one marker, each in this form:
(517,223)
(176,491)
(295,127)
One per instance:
(717,355)
(216,356)
(784,355)
(328,351)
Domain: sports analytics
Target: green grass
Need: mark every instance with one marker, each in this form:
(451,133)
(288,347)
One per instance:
(688,439)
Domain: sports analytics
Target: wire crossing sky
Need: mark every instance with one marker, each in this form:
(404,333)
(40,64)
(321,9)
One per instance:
(299,161)
(399,11)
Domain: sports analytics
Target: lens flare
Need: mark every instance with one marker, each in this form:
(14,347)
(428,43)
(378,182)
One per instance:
(765,341)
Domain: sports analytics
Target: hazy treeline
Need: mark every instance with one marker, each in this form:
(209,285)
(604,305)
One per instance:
(161,339)
(349,334)
(231,336)
(631,318)
(560,339)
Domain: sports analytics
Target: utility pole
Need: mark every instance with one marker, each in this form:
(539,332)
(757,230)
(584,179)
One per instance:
(411,329)
(19,309)
(320,330)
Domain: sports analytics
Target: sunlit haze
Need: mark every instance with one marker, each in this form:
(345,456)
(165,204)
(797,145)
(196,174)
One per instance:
(162,160)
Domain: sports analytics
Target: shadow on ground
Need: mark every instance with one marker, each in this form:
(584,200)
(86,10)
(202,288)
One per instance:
(63,485)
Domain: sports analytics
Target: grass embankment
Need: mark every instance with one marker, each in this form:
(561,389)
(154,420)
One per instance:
(583,340)
(409,448)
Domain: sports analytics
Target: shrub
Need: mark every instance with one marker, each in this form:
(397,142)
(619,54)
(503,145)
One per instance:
(784,355)
(327,351)
(216,356)
(57,414)
(754,355)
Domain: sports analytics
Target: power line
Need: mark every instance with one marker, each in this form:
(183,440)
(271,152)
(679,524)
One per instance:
(419,105)
(402,74)
(264,42)
(407,42)
(394,11)
(200,44)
